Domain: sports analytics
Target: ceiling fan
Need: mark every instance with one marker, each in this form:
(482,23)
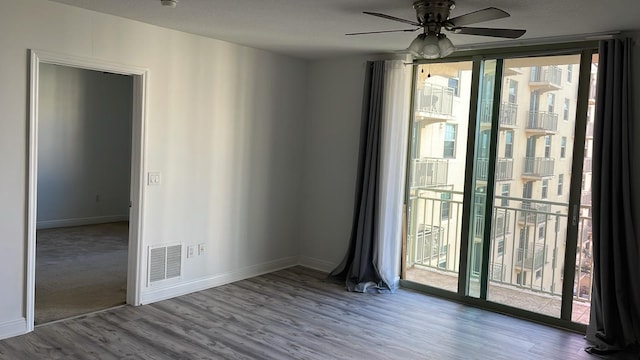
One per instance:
(433,17)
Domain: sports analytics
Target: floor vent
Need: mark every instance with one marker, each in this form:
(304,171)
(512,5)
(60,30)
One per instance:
(165,262)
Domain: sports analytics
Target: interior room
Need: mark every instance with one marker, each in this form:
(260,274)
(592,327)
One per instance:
(214,157)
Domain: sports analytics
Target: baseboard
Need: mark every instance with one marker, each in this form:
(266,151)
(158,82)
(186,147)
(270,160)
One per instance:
(316,264)
(50,224)
(217,280)
(13,328)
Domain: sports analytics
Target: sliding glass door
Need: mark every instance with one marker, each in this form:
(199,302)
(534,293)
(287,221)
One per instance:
(436,174)
(498,210)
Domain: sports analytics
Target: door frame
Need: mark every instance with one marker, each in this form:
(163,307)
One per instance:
(138,141)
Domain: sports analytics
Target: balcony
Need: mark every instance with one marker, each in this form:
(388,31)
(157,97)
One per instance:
(433,104)
(542,122)
(532,260)
(546,78)
(534,213)
(508,114)
(429,172)
(538,168)
(503,171)
(526,277)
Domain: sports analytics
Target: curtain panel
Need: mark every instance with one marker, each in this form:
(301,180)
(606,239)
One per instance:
(372,261)
(615,304)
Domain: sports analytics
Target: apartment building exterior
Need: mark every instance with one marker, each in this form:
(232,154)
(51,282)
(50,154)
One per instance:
(531,153)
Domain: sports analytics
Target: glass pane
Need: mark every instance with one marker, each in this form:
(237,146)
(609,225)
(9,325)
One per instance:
(584,251)
(436,173)
(529,223)
(481,166)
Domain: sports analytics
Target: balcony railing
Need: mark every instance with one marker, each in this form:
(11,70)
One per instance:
(429,172)
(503,171)
(434,99)
(534,213)
(434,218)
(542,121)
(528,259)
(538,167)
(551,75)
(434,242)
(508,113)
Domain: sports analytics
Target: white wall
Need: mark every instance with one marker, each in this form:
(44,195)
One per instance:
(84,146)
(224,127)
(331,160)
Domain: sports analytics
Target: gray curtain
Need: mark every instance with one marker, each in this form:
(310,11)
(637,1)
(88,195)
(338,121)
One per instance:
(615,302)
(358,268)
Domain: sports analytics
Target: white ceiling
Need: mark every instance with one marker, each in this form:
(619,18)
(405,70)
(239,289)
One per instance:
(315,28)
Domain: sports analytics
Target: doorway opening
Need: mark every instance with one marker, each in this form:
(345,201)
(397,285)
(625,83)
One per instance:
(85,186)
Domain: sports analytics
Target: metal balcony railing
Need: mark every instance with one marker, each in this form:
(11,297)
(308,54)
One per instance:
(538,167)
(508,113)
(542,121)
(434,220)
(504,169)
(531,259)
(434,99)
(434,241)
(429,172)
(546,75)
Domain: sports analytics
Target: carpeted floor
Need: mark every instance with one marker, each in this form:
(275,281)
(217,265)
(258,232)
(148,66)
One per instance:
(80,270)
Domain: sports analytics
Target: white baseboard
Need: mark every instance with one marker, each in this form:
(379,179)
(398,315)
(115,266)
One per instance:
(50,224)
(13,328)
(316,264)
(216,280)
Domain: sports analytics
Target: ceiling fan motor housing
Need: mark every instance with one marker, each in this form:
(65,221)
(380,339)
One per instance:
(433,13)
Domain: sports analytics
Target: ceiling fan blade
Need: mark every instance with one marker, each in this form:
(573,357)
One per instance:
(502,33)
(382,31)
(389,17)
(487,14)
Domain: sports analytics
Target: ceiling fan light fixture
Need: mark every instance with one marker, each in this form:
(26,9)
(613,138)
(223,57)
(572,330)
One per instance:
(169,3)
(430,48)
(445,45)
(416,45)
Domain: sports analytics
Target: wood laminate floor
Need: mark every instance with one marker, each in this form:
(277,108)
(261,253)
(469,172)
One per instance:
(295,314)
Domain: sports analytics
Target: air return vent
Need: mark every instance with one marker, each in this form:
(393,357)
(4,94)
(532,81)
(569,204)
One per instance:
(165,262)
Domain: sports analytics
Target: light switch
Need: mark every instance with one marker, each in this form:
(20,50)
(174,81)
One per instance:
(153,178)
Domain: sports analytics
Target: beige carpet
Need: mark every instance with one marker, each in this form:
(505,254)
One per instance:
(80,270)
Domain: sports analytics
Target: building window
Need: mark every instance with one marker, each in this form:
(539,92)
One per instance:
(545,187)
(500,247)
(445,206)
(563,147)
(449,151)
(541,232)
(547,146)
(551,103)
(505,193)
(513,92)
(565,110)
(508,144)
(560,183)
(569,72)
(454,85)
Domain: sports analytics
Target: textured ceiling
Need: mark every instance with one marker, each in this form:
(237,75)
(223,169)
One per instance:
(315,28)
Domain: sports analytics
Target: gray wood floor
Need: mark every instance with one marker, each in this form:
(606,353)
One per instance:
(295,314)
